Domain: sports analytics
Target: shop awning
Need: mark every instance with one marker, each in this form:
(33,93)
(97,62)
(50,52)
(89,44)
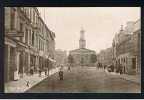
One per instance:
(51,59)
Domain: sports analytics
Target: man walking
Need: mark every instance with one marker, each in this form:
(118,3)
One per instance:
(61,73)
(69,67)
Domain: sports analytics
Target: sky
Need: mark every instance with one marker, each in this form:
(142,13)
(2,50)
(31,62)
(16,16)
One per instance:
(100,24)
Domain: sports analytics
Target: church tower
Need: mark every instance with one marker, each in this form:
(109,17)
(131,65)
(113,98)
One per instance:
(82,41)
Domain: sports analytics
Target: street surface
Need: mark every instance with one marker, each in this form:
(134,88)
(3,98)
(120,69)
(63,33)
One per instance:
(87,80)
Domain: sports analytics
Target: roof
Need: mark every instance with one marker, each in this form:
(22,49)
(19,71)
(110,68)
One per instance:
(82,50)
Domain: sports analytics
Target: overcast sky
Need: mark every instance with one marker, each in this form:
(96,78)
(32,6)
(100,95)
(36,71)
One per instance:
(100,24)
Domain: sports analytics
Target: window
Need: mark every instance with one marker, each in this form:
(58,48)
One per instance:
(21,27)
(30,13)
(36,40)
(25,10)
(33,16)
(42,45)
(12,23)
(21,30)
(26,36)
(29,37)
(39,44)
(33,38)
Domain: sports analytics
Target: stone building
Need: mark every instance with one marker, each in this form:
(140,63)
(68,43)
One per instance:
(136,38)
(126,48)
(61,57)
(26,39)
(82,55)
(105,56)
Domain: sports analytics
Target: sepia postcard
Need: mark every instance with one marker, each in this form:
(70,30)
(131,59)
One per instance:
(72,50)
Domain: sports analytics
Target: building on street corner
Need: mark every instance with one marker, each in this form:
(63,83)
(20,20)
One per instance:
(29,43)
(126,48)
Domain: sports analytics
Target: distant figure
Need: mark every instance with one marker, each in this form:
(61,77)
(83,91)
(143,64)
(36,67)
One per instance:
(61,73)
(98,65)
(27,83)
(31,71)
(40,72)
(105,66)
(69,67)
(45,71)
(121,67)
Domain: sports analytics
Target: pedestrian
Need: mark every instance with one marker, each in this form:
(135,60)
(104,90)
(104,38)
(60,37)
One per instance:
(112,67)
(105,66)
(121,69)
(101,66)
(98,65)
(69,67)
(61,73)
(40,72)
(31,71)
(48,71)
(45,71)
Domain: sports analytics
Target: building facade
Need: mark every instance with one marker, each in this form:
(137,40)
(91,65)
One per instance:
(126,48)
(136,38)
(105,56)
(83,56)
(61,57)
(26,42)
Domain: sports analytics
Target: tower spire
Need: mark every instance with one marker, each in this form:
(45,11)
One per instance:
(82,41)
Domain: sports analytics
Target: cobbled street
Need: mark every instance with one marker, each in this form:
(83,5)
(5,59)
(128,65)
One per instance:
(85,79)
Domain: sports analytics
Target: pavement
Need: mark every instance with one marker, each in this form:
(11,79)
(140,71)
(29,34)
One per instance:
(132,78)
(86,80)
(28,81)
